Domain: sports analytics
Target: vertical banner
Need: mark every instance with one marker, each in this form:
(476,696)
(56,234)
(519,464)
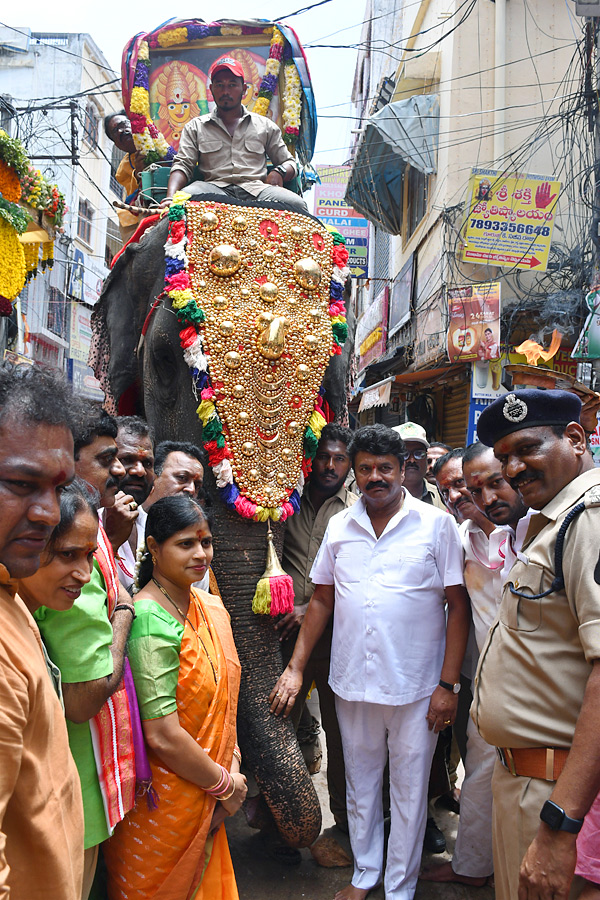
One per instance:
(474,330)
(332,209)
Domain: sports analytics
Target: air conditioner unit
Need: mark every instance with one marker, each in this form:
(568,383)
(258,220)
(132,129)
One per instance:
(587,7)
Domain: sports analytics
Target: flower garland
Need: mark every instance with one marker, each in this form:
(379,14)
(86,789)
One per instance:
(13,154)
(268,85)
(10,186)
(12,262)
(146,136)
(191,316)
(32,254)
(292,102)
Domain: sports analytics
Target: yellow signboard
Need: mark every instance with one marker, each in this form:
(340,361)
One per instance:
(509,220)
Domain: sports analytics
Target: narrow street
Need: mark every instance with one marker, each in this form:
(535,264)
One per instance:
(259,877)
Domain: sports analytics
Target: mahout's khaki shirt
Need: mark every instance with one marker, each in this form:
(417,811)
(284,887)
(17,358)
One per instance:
(227,159)
(538,656)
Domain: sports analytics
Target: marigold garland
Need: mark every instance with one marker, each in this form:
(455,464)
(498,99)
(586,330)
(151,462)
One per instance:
(12,262)
(191,316)
(10,186)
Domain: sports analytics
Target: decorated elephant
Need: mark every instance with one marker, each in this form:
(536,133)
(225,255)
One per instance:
(223,327)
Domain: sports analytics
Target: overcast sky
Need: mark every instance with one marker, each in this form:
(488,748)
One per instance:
(112,22)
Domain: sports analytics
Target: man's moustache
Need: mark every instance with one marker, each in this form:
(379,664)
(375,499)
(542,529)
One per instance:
(375,484)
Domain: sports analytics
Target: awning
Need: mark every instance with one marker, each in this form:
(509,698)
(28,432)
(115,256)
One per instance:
(400,133)
(376,394)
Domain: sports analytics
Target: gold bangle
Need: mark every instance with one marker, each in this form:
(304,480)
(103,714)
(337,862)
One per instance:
(238,754)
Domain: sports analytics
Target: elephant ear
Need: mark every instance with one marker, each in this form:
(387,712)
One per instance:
(335,380)
(135,281)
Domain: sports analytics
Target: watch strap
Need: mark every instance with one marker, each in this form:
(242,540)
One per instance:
(556,818)
(455,688)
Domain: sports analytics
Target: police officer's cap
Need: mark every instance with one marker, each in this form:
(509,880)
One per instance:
(530,408)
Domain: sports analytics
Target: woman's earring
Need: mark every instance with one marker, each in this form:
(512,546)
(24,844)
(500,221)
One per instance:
(153,560)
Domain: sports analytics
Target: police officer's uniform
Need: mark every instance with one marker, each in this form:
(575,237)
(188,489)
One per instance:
(534,667)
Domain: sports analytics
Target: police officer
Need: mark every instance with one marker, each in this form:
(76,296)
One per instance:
(537,691)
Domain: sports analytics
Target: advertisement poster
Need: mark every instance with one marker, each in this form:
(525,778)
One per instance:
(331,208)
(486,379)
(371,331)
(474,330)
(588,342)
(509,219)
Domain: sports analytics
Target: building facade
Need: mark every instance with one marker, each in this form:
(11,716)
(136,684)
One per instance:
(489,85)
(56,89)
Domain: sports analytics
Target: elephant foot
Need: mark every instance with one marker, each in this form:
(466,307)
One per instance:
(332,849)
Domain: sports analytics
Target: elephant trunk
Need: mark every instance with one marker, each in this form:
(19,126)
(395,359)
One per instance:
(268,743)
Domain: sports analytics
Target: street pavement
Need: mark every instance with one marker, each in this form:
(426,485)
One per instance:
(259,877)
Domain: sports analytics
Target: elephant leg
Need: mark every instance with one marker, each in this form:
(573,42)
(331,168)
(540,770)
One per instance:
(268,743)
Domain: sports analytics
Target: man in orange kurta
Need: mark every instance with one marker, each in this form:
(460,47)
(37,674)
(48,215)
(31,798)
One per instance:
(41,813)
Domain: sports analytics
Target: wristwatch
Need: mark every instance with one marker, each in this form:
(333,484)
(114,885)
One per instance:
(455,688)
(556,818)
(281,170)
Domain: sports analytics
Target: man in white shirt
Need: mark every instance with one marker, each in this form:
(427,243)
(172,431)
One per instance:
(389,564)
(486,534)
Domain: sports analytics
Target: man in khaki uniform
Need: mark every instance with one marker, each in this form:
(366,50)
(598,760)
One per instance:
(537,690)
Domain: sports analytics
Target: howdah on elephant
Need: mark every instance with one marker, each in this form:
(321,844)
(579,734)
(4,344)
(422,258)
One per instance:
(229,318)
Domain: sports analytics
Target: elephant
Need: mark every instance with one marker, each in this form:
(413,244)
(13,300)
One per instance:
(148,375)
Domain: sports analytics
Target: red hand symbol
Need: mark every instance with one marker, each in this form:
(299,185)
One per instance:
(542,196)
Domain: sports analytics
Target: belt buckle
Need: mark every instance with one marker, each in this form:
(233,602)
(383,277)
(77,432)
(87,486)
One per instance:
(506,758)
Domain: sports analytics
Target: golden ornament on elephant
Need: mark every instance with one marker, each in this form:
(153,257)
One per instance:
(265,319)
(224,260)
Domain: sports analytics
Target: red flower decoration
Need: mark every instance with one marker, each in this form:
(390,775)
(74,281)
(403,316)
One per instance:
(177,231)
(340,256)
(188,336)
(138,123)
(5,306)
(318,242)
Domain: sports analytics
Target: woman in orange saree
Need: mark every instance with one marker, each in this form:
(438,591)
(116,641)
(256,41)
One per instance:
(187,674)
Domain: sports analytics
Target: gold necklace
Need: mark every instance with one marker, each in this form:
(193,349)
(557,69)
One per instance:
(186,619)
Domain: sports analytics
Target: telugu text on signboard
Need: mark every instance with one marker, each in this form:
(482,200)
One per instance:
(509,220)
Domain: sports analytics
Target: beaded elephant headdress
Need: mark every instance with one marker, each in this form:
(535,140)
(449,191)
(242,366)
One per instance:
(258,293)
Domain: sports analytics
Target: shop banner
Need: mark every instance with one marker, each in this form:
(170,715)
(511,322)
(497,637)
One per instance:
(371,330)
(588,342)
(332,209)
(474,331)
(510,218)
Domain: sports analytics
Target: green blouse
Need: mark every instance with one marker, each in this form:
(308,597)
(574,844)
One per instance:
(153,651)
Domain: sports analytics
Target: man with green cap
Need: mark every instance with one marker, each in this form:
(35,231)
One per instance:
(537,689)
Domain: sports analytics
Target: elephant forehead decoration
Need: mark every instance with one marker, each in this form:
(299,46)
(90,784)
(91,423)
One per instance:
(262,279)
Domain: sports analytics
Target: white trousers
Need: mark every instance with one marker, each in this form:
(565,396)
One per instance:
(370,732)
(473,852)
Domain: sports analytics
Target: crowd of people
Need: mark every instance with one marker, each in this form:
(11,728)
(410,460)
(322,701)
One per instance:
(439,582)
